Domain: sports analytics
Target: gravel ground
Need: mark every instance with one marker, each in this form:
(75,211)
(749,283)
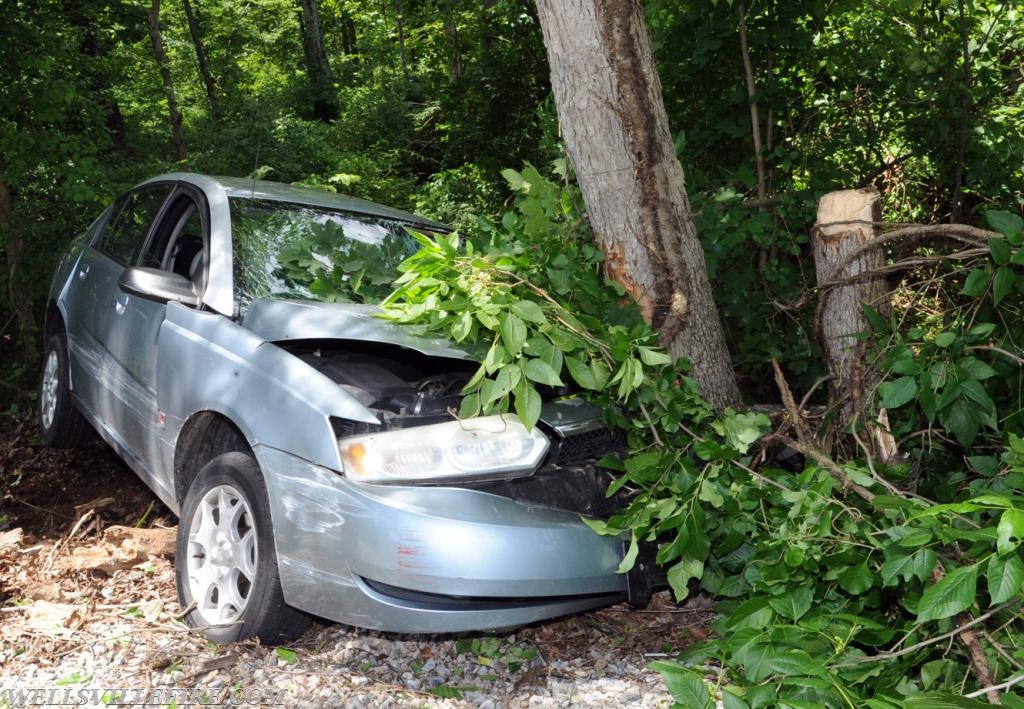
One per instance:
(72,631)
(83,609)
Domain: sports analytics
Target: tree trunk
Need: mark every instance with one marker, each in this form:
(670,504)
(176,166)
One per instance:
(613,120)
(177,131)
(204,67)
(399,26)
(349,43)
(11,243)
(755,120)
(451,34)
(845,222)
(325,102)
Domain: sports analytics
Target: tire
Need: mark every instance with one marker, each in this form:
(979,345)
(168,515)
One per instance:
(225,561)
(61,425)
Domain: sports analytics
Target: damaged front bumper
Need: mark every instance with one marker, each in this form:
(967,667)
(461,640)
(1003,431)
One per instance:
(430,559)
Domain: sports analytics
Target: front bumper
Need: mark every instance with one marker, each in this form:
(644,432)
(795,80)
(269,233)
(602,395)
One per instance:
(429,559)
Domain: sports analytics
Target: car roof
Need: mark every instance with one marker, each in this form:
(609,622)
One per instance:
(237,187)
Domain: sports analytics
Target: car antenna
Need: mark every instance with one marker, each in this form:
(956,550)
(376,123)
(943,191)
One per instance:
(255,167)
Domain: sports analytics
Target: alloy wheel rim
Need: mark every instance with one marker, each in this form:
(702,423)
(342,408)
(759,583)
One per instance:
(51,381)
(221,562)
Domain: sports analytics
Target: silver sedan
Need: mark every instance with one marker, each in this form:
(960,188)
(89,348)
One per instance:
(220,334)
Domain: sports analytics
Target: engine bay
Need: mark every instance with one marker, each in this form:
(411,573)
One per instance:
(405,388)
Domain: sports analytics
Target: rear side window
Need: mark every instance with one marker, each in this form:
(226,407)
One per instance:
(130,225)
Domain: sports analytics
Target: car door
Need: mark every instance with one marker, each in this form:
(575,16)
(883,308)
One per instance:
(93,301)
(176,242)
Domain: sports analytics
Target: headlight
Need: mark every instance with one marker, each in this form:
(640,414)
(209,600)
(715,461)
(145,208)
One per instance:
(485,447)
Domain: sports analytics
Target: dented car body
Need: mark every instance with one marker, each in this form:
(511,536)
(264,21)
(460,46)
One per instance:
(307,444)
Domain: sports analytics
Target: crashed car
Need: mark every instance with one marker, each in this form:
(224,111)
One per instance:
(222,336)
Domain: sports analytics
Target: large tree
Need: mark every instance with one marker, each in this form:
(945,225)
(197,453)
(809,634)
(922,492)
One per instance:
(608,96)
(325,102)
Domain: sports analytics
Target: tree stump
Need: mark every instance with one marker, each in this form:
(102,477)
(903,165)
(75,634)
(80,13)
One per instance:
(846,221)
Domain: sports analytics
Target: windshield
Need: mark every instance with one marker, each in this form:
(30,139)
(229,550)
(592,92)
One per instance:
(291,251)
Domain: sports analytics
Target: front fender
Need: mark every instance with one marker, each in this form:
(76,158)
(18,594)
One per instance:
(207,362)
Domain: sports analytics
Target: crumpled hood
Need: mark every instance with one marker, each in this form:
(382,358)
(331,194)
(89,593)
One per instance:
(280,320)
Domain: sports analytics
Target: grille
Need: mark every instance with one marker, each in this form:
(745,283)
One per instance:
(579,448)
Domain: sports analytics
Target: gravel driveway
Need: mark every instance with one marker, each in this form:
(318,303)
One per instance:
(74,630)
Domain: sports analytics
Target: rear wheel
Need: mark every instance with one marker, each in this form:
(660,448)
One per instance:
(61,425)
(226,566)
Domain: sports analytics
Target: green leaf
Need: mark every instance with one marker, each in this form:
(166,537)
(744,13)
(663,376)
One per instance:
(527,404)
(755,613)
(942,700)
(630,557)
(653,357)
(1000,250)
(513,333)
(793,604)
(731,700)
(1005,576)
(898,392)
(515,181)
(539,371)
(945,339)
(542,347)
(288,657)
(976,283)
(1007,224)
(856,579)
(680,573)
(1010,531)
(685,686)
(793,661)
(529,311)
(496,357)
(953,594)
(976,369)
(581,372)
(918,564)
(957,420)
(1003,283)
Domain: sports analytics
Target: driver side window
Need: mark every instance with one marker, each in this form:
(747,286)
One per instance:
(177,245)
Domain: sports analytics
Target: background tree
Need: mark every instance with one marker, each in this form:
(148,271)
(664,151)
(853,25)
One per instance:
(317,65)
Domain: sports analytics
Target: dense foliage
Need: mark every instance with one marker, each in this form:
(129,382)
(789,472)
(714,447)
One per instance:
(839,578)
(839,583)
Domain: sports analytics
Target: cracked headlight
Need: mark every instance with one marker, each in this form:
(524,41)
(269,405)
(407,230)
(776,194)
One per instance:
(477,448)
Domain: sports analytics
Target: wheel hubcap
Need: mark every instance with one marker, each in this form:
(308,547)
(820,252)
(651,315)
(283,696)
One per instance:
(48,396)
(221,555)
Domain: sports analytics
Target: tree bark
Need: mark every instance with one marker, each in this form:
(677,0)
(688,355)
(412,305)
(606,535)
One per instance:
(177,130)
(204,67)
(610,106)
(846,222)
(325,102)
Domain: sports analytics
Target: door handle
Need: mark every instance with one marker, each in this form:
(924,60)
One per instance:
(120,302)
(83,271)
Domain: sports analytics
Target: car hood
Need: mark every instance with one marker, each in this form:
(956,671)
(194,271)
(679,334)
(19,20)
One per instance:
(282,320)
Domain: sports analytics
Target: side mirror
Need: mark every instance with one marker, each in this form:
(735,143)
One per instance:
(161,286)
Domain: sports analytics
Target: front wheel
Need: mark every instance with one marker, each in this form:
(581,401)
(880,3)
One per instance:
(60,423)
(225,563)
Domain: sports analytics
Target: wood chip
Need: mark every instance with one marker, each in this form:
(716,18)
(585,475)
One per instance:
(158,541)
(98,504)
(11,539)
